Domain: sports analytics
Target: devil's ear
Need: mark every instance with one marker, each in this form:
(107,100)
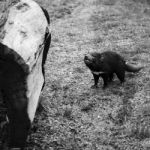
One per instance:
(101,58)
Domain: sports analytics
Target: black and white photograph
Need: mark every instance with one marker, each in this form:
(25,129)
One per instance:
(74,74)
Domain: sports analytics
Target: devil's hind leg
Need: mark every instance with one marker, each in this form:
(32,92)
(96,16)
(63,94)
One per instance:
(111,77)
(105,80)
(121,75)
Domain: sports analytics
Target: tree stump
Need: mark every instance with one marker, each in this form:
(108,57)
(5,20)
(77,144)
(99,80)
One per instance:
(24,44)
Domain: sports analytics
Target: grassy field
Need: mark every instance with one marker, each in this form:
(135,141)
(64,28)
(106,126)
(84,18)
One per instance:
(72,115)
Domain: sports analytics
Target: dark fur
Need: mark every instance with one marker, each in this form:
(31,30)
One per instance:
(108,63)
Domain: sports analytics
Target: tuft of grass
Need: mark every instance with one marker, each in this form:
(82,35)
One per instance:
(68,113)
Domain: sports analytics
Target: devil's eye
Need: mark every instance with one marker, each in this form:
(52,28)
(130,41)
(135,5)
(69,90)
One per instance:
(94,61)
(101,62)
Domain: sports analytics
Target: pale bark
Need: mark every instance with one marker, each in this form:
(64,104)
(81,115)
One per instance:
(24,32)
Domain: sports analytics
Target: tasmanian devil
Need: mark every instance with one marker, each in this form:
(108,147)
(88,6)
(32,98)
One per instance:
(106,64)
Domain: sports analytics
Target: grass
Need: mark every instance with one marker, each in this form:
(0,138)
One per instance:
(74,116)
(71,115)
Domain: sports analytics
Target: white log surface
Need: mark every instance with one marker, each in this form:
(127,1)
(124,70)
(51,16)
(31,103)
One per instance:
(25,30)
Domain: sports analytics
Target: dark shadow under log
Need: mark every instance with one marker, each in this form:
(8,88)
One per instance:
(13,89)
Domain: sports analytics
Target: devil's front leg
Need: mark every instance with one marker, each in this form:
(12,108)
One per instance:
(96,78)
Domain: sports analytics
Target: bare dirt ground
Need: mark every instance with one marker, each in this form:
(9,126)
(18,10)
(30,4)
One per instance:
(71,115)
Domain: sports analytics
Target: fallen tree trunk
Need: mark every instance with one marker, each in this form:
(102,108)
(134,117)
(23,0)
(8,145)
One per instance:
(25,41)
